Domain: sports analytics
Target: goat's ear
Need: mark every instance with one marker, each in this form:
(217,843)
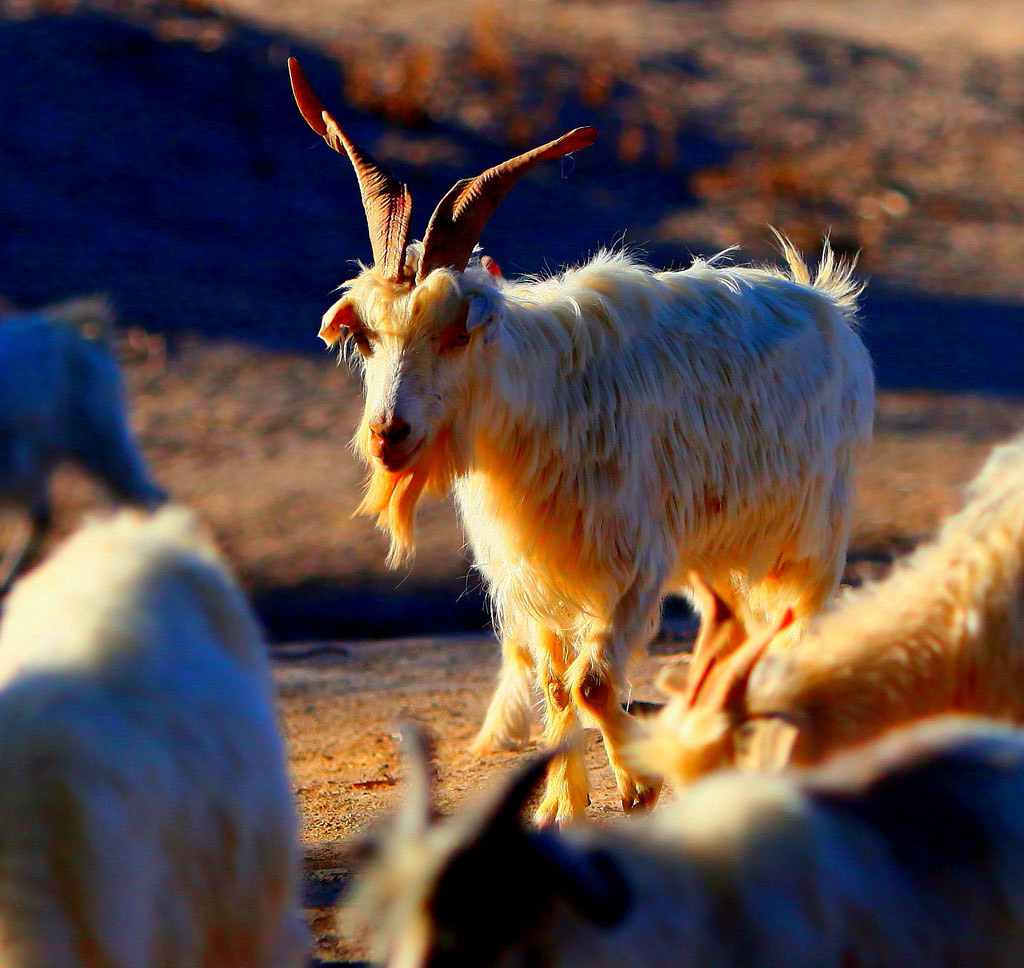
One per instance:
(721,633)
(498,839)
(417,808)
(505,811)
(727,681)
(538,867)
(484,313)
(711,605)
(491,266)
(336,321)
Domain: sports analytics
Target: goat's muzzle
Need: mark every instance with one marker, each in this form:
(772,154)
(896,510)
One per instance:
(392,444)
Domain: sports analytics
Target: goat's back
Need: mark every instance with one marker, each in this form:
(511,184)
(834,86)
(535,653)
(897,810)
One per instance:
(711,418)
(909,851)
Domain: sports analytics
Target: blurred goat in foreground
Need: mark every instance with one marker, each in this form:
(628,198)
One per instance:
(603,431)
(61,400)
(146,816)
(944,632)
(907,852)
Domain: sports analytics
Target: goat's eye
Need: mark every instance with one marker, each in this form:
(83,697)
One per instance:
(453,338)
(362,341)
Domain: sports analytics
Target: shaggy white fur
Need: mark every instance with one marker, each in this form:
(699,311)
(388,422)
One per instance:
(146,816)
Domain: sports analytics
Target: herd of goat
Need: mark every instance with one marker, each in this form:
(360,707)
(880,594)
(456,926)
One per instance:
(849,784)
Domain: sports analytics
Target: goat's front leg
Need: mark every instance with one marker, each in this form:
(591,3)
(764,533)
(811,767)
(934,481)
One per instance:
(510,713)
(595,678)
(20,555)
(565,793)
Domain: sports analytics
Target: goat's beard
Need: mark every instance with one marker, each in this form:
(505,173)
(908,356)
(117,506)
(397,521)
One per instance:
(394,495)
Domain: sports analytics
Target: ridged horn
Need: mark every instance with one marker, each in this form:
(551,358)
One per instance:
(460,217)
(387,201)
(726,685)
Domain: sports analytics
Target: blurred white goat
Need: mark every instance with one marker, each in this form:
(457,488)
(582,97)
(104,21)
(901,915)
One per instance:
(61,400)
(146,816)
(604,432)
(907,852)
(944,632)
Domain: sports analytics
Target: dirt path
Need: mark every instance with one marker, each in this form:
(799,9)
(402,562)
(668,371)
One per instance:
(340,704)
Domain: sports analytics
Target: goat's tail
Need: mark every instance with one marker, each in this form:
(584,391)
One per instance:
(834,275)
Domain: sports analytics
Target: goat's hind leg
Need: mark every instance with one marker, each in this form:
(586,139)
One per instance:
(510,712)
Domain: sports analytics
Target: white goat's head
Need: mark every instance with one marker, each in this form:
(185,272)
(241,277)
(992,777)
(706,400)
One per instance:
(479,888)
(417,315)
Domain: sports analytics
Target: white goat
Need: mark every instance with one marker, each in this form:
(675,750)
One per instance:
(146,816)
(944,632)
(61,399)
(603,432)
(907,852)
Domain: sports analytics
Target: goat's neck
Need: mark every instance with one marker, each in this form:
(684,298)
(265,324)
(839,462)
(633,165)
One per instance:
(519,399)
(509,442)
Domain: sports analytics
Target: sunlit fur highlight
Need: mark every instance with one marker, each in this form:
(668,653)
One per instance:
(617,428)
(909,852)
(944,632)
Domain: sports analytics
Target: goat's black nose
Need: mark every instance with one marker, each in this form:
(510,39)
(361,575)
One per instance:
(392,431)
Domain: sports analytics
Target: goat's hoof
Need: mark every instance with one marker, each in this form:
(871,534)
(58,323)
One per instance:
(549,815)
(639,795)
(553,811)
(482,746)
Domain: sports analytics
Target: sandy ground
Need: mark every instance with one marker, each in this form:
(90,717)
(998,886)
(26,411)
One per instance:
(340,710)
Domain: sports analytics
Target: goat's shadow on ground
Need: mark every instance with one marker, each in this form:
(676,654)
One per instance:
(318,612)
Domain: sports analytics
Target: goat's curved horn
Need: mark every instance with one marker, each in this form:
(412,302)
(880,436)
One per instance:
(387,201)
(714,641)
(726,686)
(460,217)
